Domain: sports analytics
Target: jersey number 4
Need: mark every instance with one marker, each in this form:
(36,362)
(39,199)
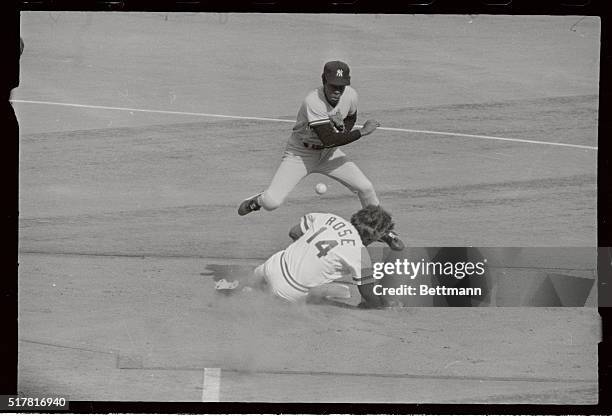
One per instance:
(322,245)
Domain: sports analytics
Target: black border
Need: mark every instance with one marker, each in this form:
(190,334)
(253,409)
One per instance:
(550,7)
(9,39)
(8,288)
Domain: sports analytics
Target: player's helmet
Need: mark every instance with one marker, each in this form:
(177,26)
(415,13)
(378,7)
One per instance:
(372,222)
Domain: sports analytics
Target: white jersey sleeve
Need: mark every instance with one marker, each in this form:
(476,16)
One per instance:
(316,110)
(359,266)
(307,221)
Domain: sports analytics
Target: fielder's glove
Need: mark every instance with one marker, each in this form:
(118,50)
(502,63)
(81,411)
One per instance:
(337,121)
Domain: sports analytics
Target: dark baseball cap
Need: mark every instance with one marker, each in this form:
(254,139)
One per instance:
(337,73)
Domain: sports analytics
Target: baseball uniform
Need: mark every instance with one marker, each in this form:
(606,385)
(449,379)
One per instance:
(324,122)
(329,249)
(304,153)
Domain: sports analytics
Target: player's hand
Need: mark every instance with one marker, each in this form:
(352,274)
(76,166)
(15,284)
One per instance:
(295,232)
(337,121)
(369,126)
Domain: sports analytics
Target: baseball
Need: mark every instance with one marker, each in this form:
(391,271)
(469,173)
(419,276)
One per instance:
(321,188)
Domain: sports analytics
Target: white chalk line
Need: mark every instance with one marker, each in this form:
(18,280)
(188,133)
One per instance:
(187,113)
(478,136)
(142,110)
(211,384)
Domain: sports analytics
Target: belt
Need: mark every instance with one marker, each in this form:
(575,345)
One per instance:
(313,146)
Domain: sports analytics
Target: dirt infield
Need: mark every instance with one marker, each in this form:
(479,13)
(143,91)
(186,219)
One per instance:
(152,334)
(125,214)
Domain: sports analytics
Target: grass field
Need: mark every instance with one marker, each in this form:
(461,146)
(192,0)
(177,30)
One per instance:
(125,210)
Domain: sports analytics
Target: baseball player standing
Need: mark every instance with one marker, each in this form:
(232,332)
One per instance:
(324,123)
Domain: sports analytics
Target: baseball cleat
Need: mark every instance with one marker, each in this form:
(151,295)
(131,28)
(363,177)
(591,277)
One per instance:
(249,205)
(226,285)
(393,241)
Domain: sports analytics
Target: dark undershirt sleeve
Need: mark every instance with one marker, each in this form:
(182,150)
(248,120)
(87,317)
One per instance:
(330,138)
(349,122)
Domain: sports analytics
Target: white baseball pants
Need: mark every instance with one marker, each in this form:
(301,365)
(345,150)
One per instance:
(297,162)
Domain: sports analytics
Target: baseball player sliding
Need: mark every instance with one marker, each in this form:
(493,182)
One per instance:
(325,247)
(324,123)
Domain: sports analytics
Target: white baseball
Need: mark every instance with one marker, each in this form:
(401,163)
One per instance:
(321,188)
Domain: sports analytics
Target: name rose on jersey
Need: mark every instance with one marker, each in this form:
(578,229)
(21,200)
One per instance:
(342,230)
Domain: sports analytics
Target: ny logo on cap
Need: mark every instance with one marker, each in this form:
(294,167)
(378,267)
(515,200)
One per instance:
(339,73)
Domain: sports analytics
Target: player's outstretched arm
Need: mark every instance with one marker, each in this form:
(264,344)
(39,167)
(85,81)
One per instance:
(330,138)
(369,126)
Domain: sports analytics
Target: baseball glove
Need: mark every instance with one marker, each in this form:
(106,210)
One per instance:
(337,121)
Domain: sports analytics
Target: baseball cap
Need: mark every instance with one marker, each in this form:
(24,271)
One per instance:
(337,73)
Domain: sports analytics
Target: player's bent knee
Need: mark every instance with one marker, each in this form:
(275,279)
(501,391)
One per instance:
(367,195)
(269,202)
(366,189)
